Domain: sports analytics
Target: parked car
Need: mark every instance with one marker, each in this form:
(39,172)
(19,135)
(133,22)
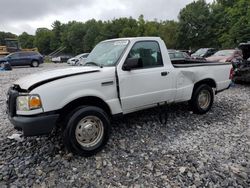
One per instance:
(242,68)
(178,55)
(226,55)
(204,52)
(5,66)
(189,52)
(34,59)
(61,59)
(77,59)
(245,48)
(82,61)
(120,76)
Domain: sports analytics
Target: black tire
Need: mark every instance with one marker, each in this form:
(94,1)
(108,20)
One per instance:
(34,63)
(194,102)
(71,132)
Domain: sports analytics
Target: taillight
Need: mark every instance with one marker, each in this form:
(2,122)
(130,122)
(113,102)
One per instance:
(231,74)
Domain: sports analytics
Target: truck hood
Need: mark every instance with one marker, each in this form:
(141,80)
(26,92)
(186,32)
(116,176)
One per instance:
(34,80)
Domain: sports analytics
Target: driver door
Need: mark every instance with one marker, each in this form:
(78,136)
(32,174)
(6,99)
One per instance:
(148,84)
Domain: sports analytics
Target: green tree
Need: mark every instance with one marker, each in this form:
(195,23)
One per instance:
(151,28)
(168,31)
(56,35)
(231,22)
(75,37)
(130,28)
(141,26)
(42,40)
(26,40)
(4,35)
(239,15)
(92,36)
(195,27)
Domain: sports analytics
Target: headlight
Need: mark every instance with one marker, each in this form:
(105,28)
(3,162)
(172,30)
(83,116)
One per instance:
(28,102)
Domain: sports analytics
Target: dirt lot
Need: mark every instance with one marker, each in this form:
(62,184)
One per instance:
(212,150)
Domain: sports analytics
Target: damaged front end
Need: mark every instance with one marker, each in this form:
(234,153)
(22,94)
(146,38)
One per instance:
(31,125)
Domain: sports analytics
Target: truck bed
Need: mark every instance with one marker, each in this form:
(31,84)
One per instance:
(195,63)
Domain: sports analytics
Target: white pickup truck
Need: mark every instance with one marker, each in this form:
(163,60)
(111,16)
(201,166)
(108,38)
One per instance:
(121,76)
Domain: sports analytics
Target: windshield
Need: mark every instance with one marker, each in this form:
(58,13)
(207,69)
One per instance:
(9,55)
(224,53)
(78,56)
(200,51)
(107,53)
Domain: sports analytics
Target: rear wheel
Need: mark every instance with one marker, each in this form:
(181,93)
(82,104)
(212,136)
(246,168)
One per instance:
(87,131)
(202,99)
(34,63)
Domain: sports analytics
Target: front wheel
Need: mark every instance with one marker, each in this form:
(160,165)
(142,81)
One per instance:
(202,99)
(87,131)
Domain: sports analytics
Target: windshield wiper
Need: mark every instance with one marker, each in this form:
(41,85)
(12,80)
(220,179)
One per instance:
(94,63)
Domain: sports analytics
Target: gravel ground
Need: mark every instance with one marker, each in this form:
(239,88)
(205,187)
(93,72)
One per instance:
(211,150)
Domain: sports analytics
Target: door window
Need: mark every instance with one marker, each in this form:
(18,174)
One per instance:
(14,56)
(148,52)
(23,54)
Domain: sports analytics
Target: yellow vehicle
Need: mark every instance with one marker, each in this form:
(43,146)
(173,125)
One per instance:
(12,45)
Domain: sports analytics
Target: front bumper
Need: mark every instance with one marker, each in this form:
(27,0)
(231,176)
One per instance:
(30,125)
(34,125)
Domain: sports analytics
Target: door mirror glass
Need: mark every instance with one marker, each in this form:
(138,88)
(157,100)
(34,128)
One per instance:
(132,63)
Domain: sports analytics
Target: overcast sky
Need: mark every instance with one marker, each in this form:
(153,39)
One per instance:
(27,15)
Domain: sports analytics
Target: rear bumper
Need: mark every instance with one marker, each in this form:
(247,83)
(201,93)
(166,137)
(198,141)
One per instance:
(35,125)
(219,91)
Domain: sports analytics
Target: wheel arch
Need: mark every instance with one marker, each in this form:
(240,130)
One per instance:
(32,60)
(87,100)
(208,81)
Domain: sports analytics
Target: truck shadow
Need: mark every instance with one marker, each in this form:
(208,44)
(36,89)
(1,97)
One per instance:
(180,118)
(131,128)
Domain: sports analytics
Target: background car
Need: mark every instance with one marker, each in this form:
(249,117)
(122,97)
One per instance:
(82,61)
(34,59)
(178,55)
(78,60)
(5,66)
(203,53)
(226,55)
(61,58)
(245,48)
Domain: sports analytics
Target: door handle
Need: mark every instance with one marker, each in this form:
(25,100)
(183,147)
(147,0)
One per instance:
(164,73)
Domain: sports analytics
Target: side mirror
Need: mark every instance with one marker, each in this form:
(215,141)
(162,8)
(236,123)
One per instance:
(132,63)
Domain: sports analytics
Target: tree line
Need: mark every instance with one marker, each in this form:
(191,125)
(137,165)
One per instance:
(221,24)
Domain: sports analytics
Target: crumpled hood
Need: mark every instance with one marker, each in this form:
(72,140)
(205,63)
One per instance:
(39,78)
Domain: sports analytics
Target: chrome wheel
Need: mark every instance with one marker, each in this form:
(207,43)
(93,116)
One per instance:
(89,131)
(204,99)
